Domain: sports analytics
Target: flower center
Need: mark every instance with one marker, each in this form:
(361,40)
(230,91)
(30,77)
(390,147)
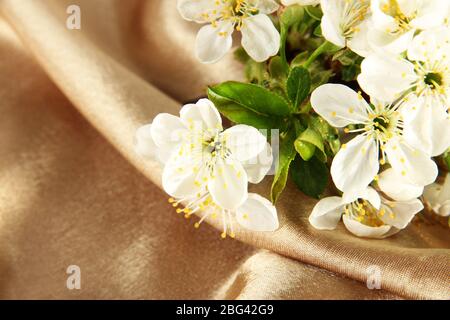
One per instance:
(354,13)
(362,211)
(381,122)
(233,11)
(384,125)
(392,9)
(217,147)
(433,80)
(243,8)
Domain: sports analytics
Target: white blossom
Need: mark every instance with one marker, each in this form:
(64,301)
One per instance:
(394,22)
(437,196)
(260,38)
(369,215)
(345,23)
(208,169)
(422,80)
(379,140)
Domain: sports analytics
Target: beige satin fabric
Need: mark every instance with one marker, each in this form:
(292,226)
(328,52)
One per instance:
(74,192)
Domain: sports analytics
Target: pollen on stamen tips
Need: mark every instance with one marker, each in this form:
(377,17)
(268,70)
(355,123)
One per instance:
(171,200)
(360,97)
(196,225)
(223,235)
(382,161)
(346,130)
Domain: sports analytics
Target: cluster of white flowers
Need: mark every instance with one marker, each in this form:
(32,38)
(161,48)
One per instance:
(392,130)
(406,45)
(207,169)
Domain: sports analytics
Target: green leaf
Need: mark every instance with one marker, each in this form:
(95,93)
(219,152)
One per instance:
(311,177)
(300,59)
(298,85)
(239,114)
(276,68)
(335,145)
(446,158)
(349,73)
(249,96)
(318,31)
(307,142)
(314,12)
(286,155)
(319,78)
(292,15)
(255,72)
(305,149)
(327,132)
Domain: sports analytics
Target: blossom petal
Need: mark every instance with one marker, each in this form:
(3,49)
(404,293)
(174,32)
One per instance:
(228,185)
(438,197)
(397,187)
(257,168)
(203,115)
(444,210)
(168,132)
(427,127)
(339,105)
(413,164)
(358,42)
(257,214)
(183,175)
(384,42)
(368,194)
(260,38)
(331,30)
(430,44)
(327,213)
(355,165)
(267,6)
(200,11)
(362,230)
(213,42)
(381,20)
(431,14)
(399,214)
(145,146)
(244,142)
(386,77)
